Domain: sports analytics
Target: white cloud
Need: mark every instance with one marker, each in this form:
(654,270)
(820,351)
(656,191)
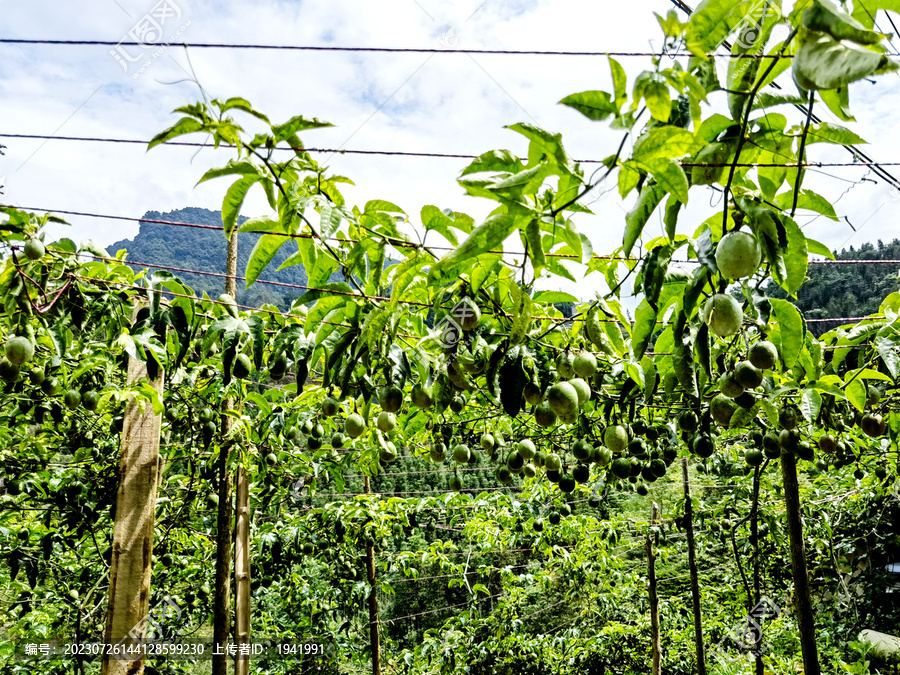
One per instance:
(413,102)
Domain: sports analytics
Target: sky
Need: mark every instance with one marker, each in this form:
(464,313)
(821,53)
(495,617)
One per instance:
(445,103)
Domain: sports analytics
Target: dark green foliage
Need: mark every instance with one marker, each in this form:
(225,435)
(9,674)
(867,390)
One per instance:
(846,290)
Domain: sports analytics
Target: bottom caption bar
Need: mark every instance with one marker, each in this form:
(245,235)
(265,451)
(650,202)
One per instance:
(187,649)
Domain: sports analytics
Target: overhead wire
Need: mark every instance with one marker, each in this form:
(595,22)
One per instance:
(388,50)
(438,155)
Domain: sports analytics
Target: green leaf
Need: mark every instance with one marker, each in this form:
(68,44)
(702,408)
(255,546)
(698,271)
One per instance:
(710,24)
(242,167)
(487,236)
(656,94)
(823,16)
(234,199)
(495,160)
(635,220)
(818,248)
(810,404)
(532,236)
(796,256)
(620,82)
(889,351)
(792,330)
(321,271)
(828,133)
(595,105)
(263,252)
(629,177)
(766,100)
(864,10)
(856,394)
(838,102)
(809,200)
(262,225)
(235,102)
(718,154)
(186,125)
(542,143)
(434,219)
(673,206)
(550,297)
(324,292)
(664,143)
(824,63)
(671,176)
(330,219)
(644,327)
(376,205)
(283,132)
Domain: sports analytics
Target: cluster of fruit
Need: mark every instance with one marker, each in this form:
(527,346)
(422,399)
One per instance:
(20,350)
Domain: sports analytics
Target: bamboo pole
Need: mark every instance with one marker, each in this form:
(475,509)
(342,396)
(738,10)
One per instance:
(242,572)
(132,548)
(653,539)
(802,600)
(222,602)
(692,564)
(374,638)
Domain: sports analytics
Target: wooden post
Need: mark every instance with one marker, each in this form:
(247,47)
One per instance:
(692,564)
(132,549)
(652,540)
(802,600)
(242,571)
(222,601)
(374,637)
(760,666)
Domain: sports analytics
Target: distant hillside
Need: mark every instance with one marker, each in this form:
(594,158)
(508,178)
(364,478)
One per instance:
(204,250)
(849,289)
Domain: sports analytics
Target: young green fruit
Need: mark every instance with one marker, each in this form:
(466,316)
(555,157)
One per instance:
(873,426)
(532,394)
(738,255)
(90,400)
(584,364)
(72,399)
(748,375)
(763,355)
(386,421)
(729,386)
(615,438)
(526,448)
(19,350)
(461,453)
(34,249)
(8,371)
(487,441)
(552,462)
(421,397)
(242,367)
(722,408)
(563,399)
(354,425)
(544,416)
(329,407)
(390,399)
(723,315)
(565,365)
(583,389)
